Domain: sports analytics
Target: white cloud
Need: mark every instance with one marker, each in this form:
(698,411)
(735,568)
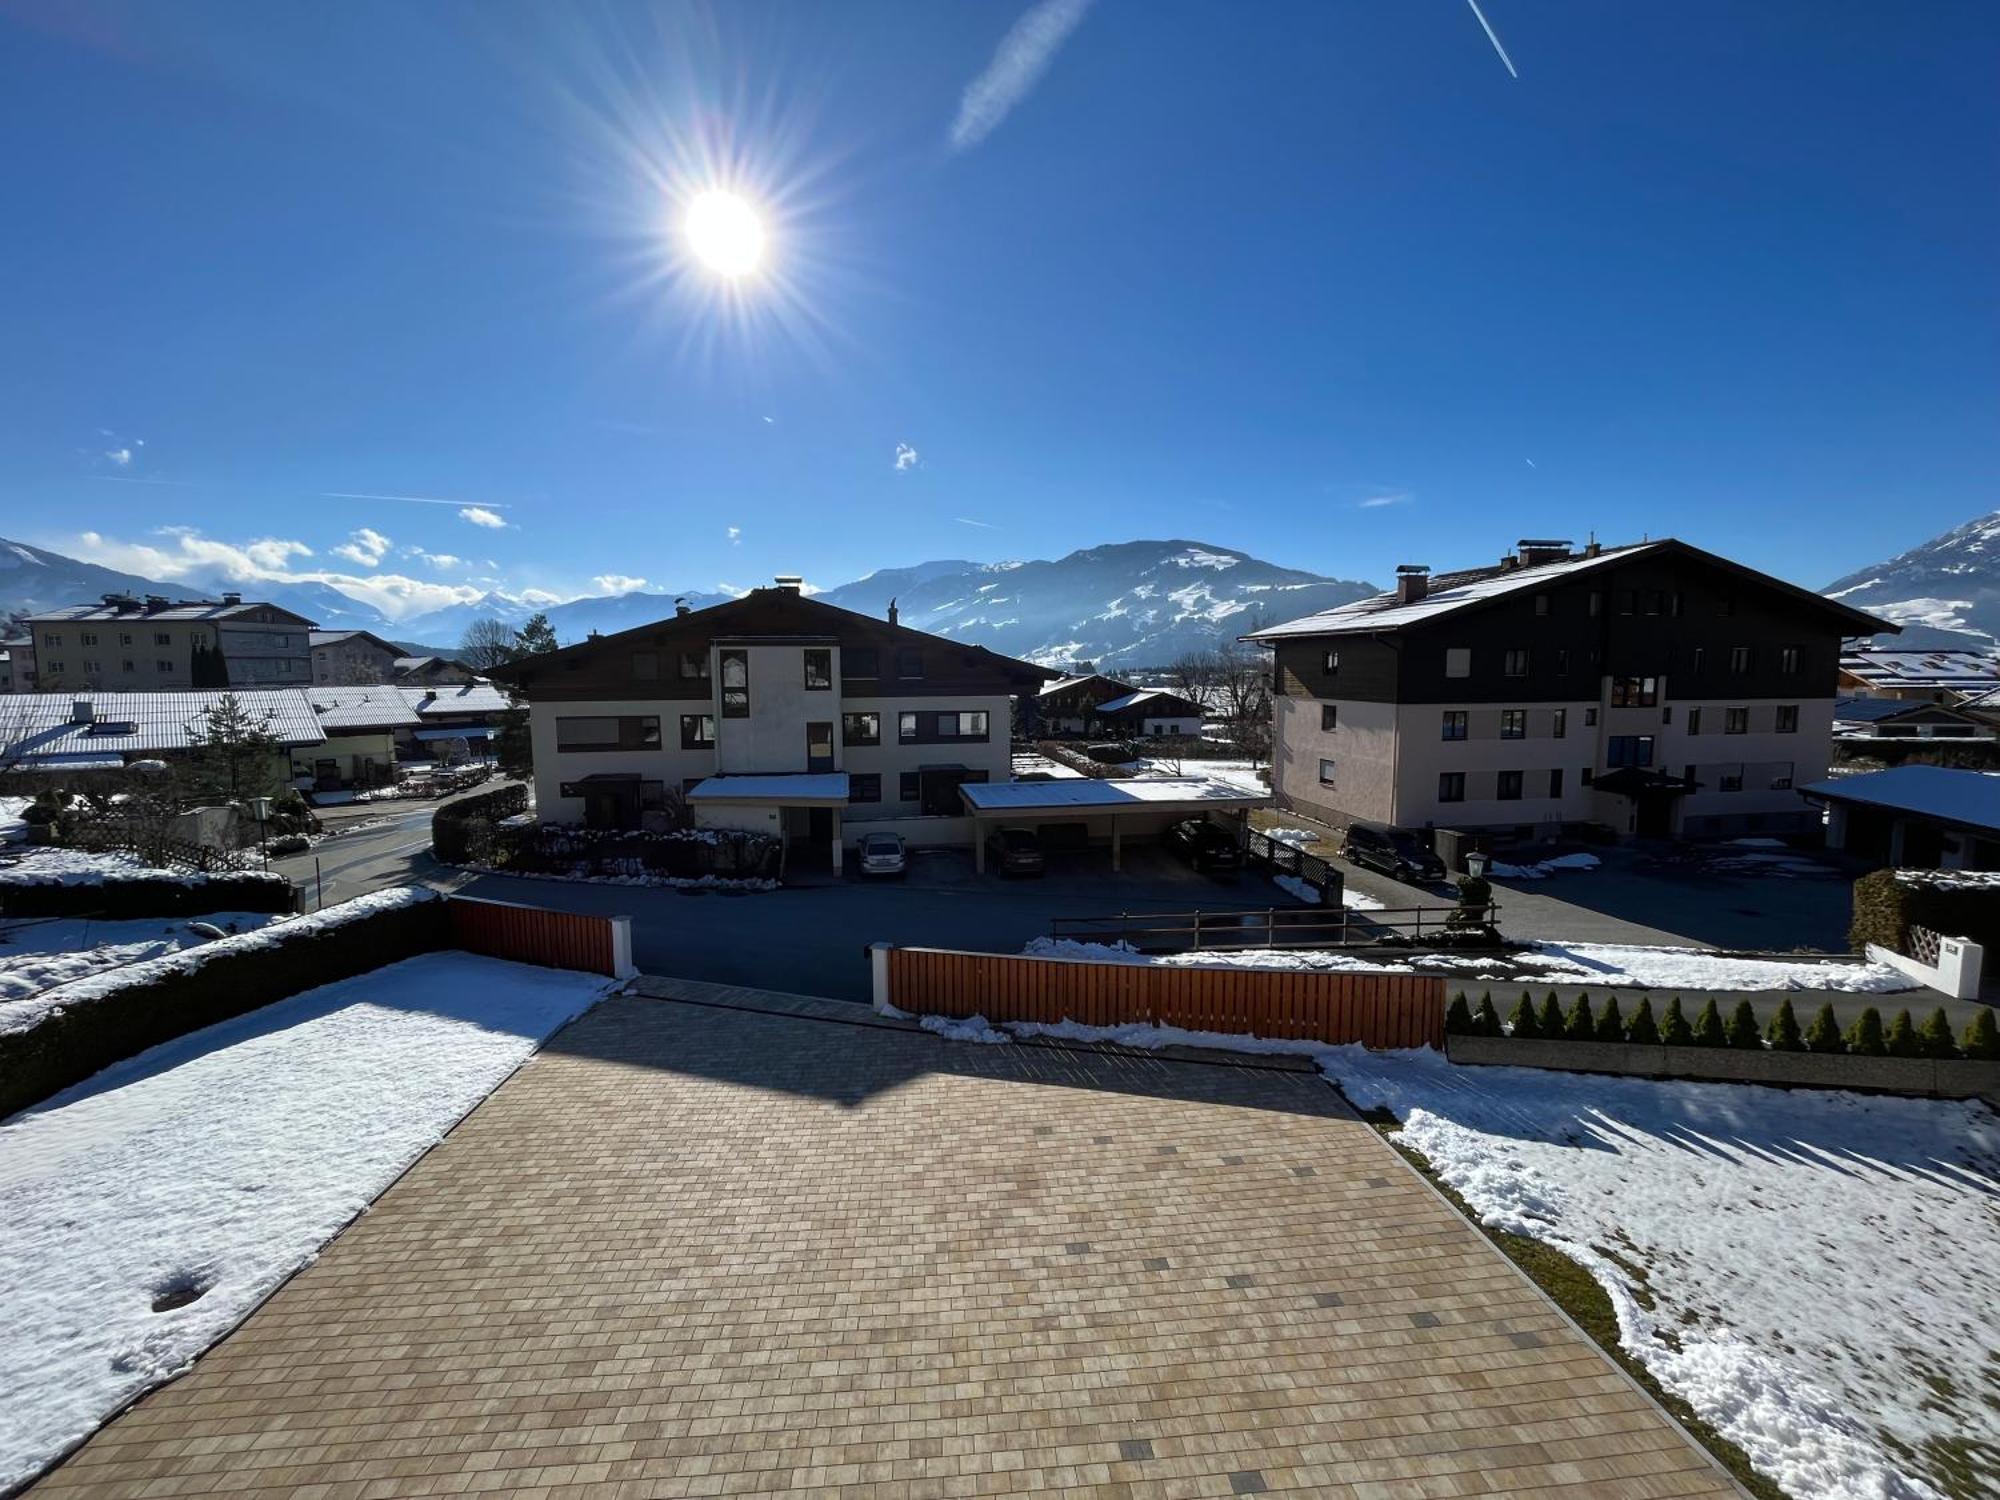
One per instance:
(538,596)
(731,590)
(1024,54)
(906,457)
(437,559)
(735,534)
(366,547)
(617,583)
(1376,502)
(479,515)
(119,456)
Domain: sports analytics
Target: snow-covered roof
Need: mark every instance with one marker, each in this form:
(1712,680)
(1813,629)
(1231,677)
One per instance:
(1159,793)
(1149,696)
(1445,593)
(37,725)
(1970,798)
(456,698)
(184,609)
(1966,671)
(792,790)
(362,707)
(1873,710)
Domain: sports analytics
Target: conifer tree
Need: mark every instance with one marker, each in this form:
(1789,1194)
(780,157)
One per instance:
(1580,1024)
(1674,1029)
(1643,1029)
(1708,1030)
(1742,1032)
(1823,1036)
(1610,1024)
(1783,1032)
(1864,1037)
(1902,1038)
(1981,1041)
(1521,1023)
(1936,1039)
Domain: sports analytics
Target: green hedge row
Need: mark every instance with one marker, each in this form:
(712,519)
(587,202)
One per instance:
(463,830)
(164,894)
(1866,1037)
(71,1044)
(1888,903)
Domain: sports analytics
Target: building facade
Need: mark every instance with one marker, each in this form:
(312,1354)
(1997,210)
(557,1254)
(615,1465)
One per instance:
(129,644)
(1653,689)
(773,685)
(351,658)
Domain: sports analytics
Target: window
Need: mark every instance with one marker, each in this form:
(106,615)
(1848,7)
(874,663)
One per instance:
(910,786)
(646,666)
(1515,663)
(1781,777)
(1586,775)
(819,668)
(606,732)
(163,666)
(162,638)
(1656,603)
(1329,717)
(1725,604)
(1589,718)
(1628,601)
(1556,782)
(1694,721)
(861,661)
(56,640)
(819,745)
(1562,661)
(89,638)
(1788,718)
(91,669)
(1635,692)
(866,788)
(1541,604)
(1596,602)
(1729,778)
(1326,769)
(906,726)
(1788,660)
(125,638)
(909,663)
(1739,660)
(861,729)
(127,665)
(1629,750)
(735,684)
(1559,725)
(1700,656)
(1454,723)
(1458,661)
(53,669)
(697,731)
(1451,786)
(1667,714)
(694,666)
(1330,663)
(1513,723)
(971,726)
(1509,788)
(1736,721)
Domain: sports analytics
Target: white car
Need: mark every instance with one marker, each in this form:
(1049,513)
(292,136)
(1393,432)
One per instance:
(881,854)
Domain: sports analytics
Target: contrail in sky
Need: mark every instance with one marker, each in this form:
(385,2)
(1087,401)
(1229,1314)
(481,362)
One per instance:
(411,499)
(1492,37)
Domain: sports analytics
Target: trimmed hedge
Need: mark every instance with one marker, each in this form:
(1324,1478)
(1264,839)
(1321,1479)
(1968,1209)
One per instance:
(1888,903)
(148,894)
(463,829)
(72,1043)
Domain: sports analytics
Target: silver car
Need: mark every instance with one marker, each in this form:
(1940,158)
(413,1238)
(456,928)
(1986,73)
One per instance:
(881,854)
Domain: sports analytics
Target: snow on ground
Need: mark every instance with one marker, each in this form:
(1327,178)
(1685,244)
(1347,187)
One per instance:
(37,955)
(43,864)
(1298,838)
(221,1162)
(11,825)
(1027,762)
(1237,773)
(1810,1271)
(1543,869)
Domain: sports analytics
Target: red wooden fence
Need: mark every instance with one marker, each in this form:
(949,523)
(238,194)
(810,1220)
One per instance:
(532,935)
(1376,1010)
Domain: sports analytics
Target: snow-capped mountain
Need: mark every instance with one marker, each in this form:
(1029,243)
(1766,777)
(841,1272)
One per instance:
(1944,593)
(1131,604)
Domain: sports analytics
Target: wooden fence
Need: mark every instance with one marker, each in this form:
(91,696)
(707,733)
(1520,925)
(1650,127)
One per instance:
(534,935)
(1376,1010)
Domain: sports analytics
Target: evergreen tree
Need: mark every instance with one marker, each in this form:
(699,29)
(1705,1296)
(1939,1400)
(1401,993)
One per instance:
(1457,1019)
(1742,1032)
(1981,1041)
(1610,1024)
(234,755)
(1823,1036)
(1549,1020)
(1579,1025)
(1936,1039)
(1643,1029)
(1522,1022)
(536,638)
(1864,1037)
(1486,1020)
(1708,1030)
(1674,1029)
(1902,1038)
(1783,1032)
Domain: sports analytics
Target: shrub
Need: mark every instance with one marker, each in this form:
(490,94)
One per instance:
(1887,903)
(148,893)
(1579,1025)
(1823,1036)
(1522,1022)
(1936,1040)
(1549,1019)
(1742,1033)
(1864,1037)
(1902,1038)
(1642,1029)
(1486,1020)
(1981,1041)
(41,814)
(288,843)
(1708,1030)
(1674,1029)
(458,826)
(1783,1032)
(1457,1019)
(1610,1025)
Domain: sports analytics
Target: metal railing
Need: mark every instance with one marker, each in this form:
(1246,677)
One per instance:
(1273,927)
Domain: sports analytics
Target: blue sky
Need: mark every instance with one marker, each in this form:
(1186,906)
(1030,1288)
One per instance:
(1322,282)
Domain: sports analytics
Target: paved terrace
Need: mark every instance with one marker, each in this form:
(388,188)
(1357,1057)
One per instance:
(734,1243)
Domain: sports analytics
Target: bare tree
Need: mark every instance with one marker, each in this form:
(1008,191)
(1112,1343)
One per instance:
(487,644)
(1243,696)
(1193,676)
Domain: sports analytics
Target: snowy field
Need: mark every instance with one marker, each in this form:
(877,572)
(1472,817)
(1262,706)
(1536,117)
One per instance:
(37,955)
(1810,1271)
(149,1209)
(1238,773)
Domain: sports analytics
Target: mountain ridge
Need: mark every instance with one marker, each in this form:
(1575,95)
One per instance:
(1943,592)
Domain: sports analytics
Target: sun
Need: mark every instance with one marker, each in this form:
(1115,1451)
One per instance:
(725,233)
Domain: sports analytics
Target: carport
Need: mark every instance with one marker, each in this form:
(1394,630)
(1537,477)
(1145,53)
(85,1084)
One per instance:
(803,810)
(1111,808)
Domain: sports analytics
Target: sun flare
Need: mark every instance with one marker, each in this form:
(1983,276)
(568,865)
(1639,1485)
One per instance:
(725,233)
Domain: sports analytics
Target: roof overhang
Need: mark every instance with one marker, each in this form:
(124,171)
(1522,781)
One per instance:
(811,789)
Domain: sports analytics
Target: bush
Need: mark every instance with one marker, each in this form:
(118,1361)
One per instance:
(146,893)
(40,814)
(1742,1033)
(1936,1040)
(1902,1038)
(1486,1020)
(458,826)
(1674,1029)
(1888,903)
(289,843)
(1708,1030)
(1783,1032)
(1549,1025)
(1981,1041)
(1458,1019)
(1521,1023)
(1643,1030)
(1823,1036)
(1610,1025)
(1864,1037)
(675,854)
(1579,1025)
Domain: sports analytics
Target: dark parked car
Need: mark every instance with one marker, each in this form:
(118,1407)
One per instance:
(1205,845)
(1014,851)
(1396,852)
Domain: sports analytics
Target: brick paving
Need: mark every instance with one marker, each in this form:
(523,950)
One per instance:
(698,1249)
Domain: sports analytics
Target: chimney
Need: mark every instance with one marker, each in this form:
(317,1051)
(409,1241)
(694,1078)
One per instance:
(789,583)
(680,607)
(81,712)
(1413,582)
(232,598)
(155,603)
(892,611)
(1534,552)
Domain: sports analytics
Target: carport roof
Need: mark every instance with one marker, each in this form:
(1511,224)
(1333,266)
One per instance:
(826,788)
(1151,793)
(1970,799)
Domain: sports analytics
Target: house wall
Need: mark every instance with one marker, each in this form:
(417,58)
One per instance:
(353,661)
(266,647)
(773,737)
(76,654)
(669,764)
(891,758)
(352,750)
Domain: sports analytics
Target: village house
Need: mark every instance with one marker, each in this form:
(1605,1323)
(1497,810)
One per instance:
(130,644)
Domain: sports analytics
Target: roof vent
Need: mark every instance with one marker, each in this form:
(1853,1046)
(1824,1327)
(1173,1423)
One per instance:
(680,607)
(232,598)
(1534,551)
(1413,582)
(155,603)
(82,712)
(789,583)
